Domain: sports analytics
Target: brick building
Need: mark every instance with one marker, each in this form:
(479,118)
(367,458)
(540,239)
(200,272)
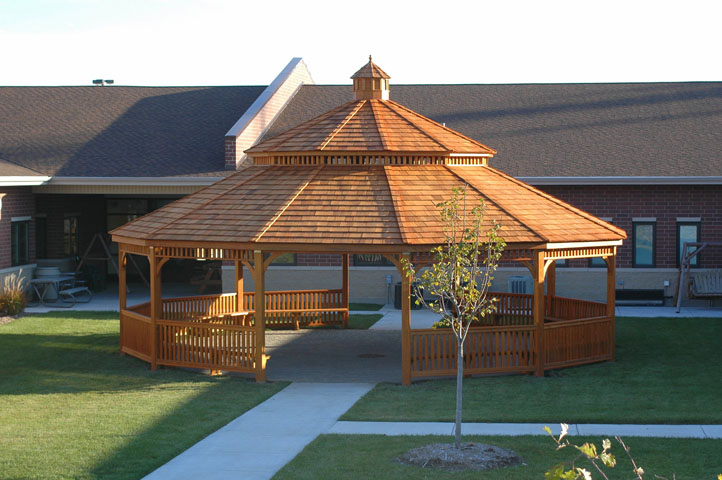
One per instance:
(76,161)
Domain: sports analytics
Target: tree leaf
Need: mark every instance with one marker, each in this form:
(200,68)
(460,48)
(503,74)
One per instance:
(588,449)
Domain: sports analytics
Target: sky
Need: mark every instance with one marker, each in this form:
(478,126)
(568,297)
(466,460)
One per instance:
(242,42)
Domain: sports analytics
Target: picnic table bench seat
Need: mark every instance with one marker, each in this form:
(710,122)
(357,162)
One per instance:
(70,294)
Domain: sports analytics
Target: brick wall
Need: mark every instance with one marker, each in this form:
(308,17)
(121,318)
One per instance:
(16,202)
(90,210)
(259,117)
(665,203)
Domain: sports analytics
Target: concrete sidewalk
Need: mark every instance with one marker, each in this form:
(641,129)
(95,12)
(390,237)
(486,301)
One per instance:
(514,429)
(261,441)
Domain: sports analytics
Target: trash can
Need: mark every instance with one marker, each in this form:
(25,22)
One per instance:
(397,297)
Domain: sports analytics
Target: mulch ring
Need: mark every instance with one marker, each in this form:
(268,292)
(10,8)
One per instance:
(471,456)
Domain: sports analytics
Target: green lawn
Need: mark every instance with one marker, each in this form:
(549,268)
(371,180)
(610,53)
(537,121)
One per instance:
(337,457)
(72,407)
(365,307)
(360,321)
(667,371)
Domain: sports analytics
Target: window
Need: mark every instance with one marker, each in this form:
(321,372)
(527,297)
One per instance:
(687,231)
(285,259)
(643,239)
(598,262)
(20,242)
(371,260)
(41,237)
(70,235)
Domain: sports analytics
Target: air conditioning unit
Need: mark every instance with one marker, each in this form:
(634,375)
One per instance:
(520,284)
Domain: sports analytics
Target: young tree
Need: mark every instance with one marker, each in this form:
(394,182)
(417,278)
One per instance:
(460,277)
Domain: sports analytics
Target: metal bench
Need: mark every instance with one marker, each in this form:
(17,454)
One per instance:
(69,295)
(632,296)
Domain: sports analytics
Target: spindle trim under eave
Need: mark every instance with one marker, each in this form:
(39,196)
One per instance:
(369,159)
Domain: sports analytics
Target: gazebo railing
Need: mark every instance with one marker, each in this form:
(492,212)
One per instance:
(211,345)
(487,350)
(575,332)
(576,342)
(199,332)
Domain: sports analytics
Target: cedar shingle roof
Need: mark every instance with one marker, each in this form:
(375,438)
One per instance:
(550,130)
(372,125)
(370,70)
(360,205)
(120,131)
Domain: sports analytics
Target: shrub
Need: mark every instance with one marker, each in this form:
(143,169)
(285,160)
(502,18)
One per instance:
(12,295)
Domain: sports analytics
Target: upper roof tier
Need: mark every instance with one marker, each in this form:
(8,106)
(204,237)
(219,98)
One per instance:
(372,126)
(370,130)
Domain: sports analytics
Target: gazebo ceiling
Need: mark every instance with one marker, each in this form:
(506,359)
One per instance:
(360,205)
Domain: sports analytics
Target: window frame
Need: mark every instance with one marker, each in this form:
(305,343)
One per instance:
(15,231)
(678,250)
(71,239)
(635,224)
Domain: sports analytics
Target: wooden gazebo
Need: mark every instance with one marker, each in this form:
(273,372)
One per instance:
(363,178)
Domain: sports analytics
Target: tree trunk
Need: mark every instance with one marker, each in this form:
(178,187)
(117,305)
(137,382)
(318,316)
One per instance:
(459,380)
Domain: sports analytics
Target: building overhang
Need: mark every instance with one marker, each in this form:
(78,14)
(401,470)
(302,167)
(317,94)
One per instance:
(23,181)
(621,180)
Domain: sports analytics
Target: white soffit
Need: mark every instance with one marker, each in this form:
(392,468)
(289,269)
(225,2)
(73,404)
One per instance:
(29,181)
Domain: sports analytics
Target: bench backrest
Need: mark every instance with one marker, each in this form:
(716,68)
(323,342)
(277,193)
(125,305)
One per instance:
(707,283)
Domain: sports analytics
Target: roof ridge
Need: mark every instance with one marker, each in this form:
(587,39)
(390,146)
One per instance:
(3,159)
(380,131)
(397,206)
(341,126)
(499,205)
(561,203)
(386,103)
(447,129)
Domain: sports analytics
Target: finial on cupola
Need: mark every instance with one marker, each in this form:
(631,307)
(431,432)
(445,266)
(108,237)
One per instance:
(370,82)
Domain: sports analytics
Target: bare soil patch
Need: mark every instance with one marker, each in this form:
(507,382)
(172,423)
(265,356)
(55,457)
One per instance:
(471,456)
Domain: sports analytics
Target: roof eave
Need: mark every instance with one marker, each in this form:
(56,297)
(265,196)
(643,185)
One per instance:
(135,181)
(23,181)
(624,180)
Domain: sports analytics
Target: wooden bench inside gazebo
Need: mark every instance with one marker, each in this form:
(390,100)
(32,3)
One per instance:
(363,178)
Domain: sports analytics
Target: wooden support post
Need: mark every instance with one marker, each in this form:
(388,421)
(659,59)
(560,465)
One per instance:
(156,306)
(239,286)
(122,290)
(345,287)
(538,309)
(611,299)
(551,287)
(405,325)
(259,274)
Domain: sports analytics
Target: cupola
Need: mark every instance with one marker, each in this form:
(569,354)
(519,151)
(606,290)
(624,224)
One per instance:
(371,83)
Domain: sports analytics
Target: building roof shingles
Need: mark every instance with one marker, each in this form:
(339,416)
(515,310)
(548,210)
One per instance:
(563,130)
(120,131)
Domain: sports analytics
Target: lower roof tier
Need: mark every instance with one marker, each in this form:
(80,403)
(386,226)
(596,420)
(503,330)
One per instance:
(389,205)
